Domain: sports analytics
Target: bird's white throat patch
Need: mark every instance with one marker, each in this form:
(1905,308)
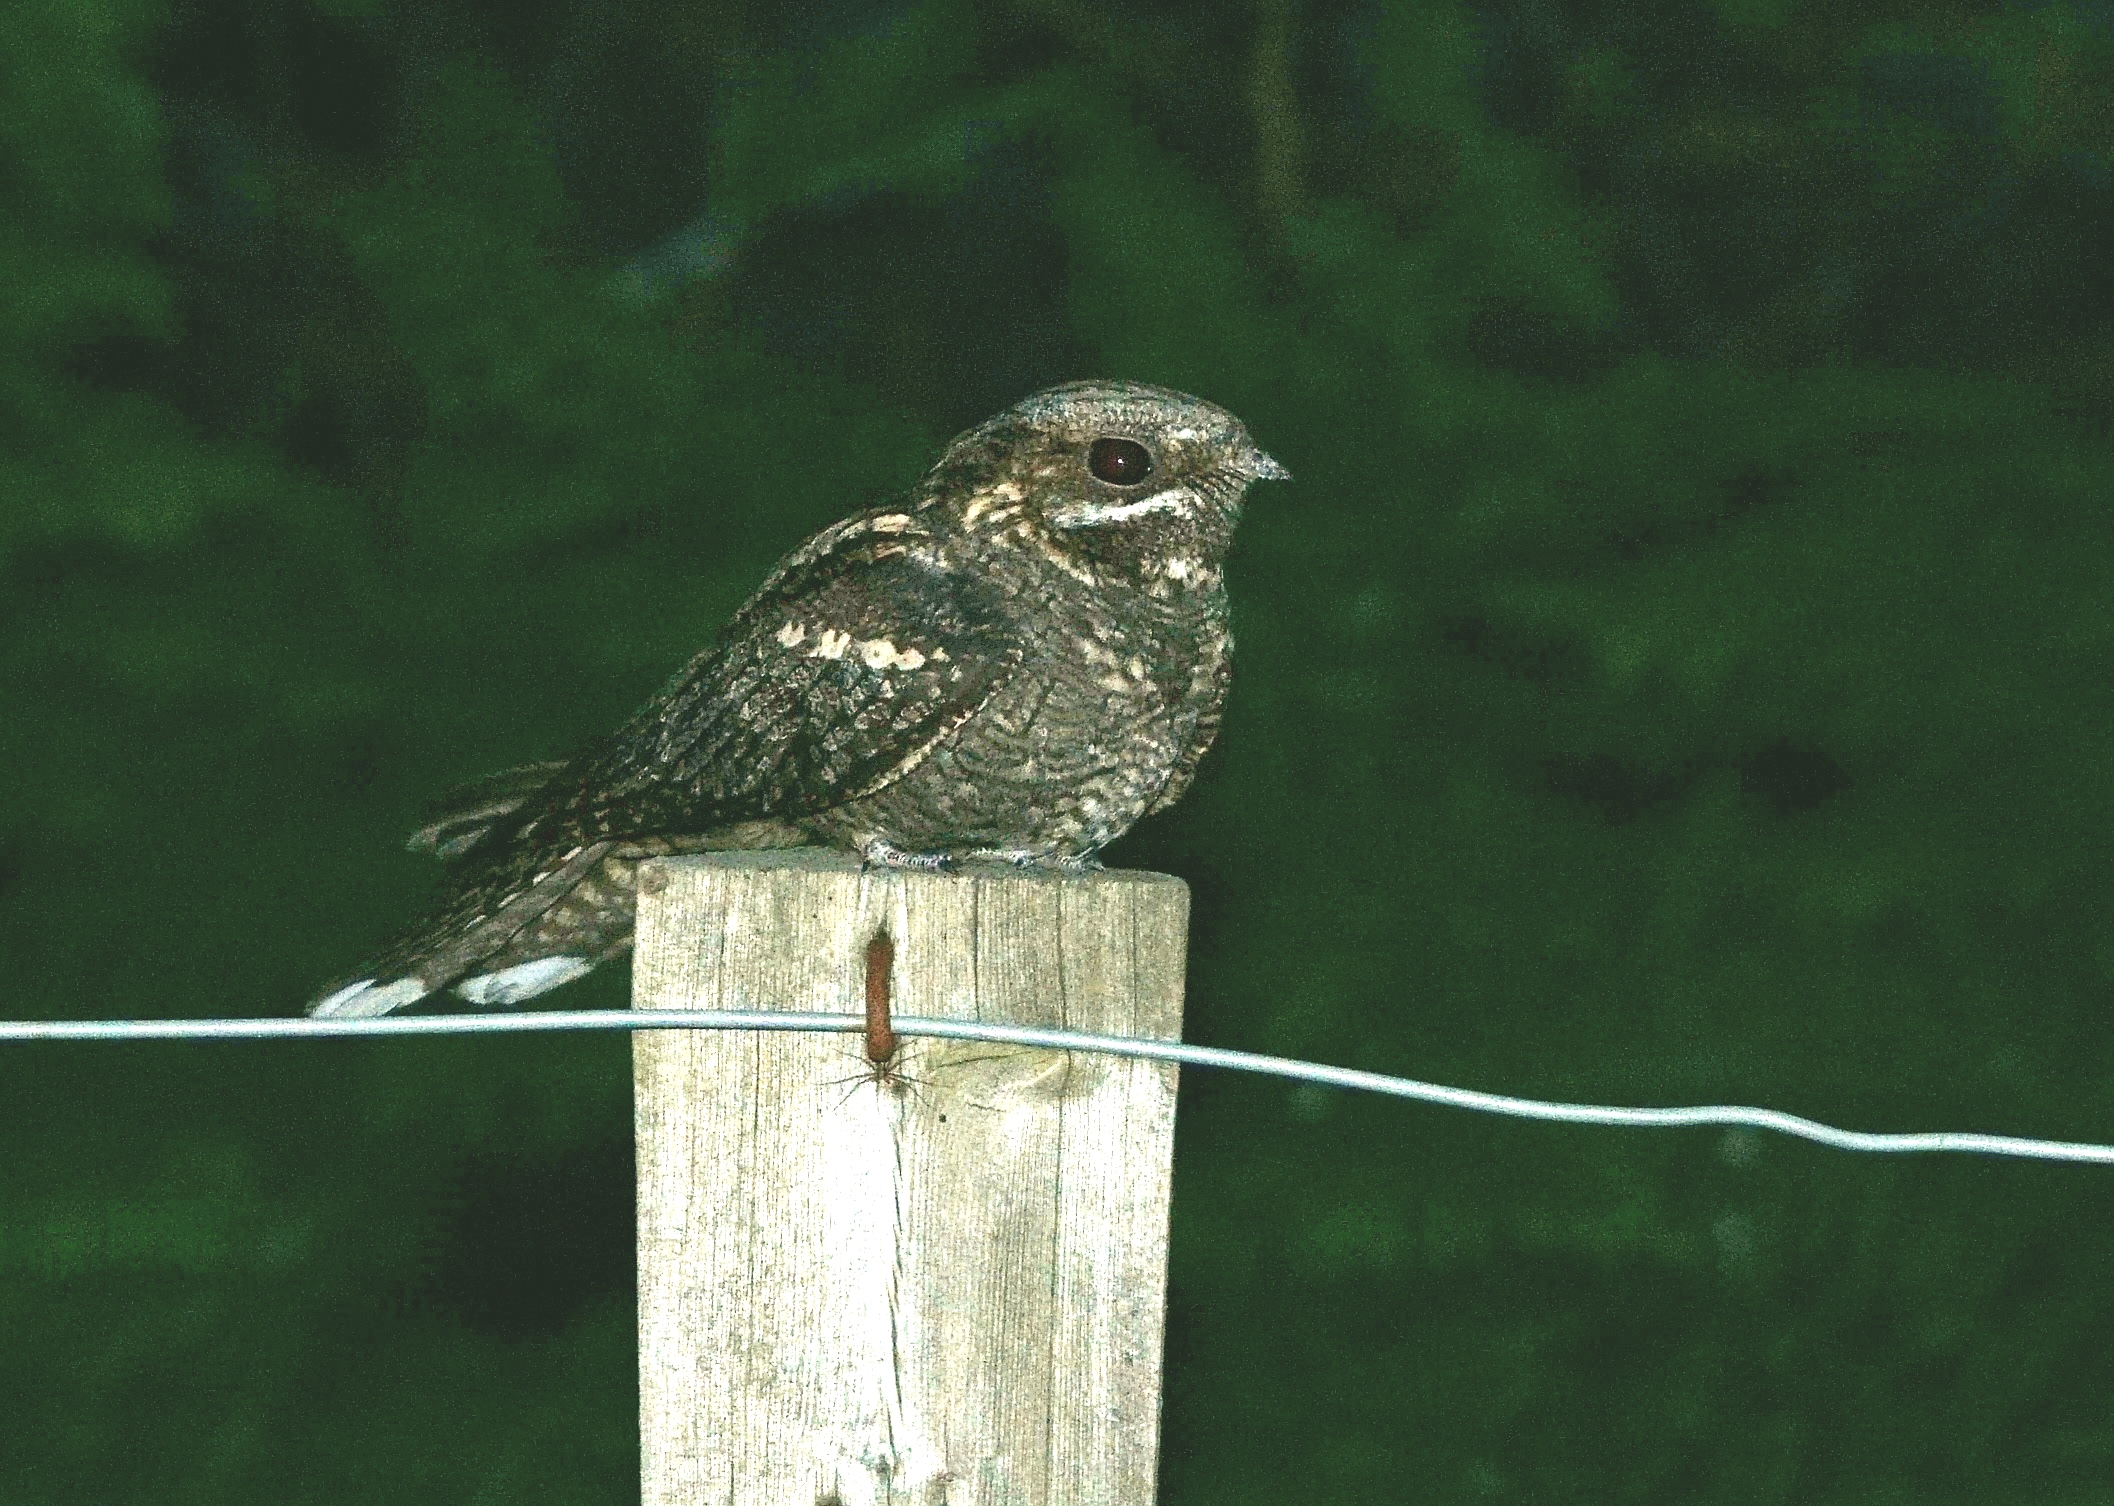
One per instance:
(1097,514)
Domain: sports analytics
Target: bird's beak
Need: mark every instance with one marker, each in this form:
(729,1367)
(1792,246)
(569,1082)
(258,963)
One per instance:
(1261,467)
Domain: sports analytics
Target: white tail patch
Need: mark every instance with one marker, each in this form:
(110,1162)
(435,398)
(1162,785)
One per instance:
(524,980)
(362,1000)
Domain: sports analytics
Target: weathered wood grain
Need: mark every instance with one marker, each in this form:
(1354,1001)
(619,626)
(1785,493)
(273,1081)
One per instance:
(945,1284)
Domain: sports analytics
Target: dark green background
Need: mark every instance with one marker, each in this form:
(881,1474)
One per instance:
(1679,673)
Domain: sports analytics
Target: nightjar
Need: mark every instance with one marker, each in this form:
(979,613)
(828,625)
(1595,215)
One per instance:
(1017,662)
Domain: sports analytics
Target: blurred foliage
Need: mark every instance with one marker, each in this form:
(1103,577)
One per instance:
(1678,673)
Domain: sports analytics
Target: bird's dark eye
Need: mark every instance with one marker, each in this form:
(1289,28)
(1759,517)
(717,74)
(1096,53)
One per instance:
(1119,462)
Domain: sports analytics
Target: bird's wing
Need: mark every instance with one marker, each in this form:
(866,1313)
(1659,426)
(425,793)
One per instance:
(861,653)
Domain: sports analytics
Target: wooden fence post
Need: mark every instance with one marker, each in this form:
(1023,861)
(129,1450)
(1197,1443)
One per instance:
(942,1285)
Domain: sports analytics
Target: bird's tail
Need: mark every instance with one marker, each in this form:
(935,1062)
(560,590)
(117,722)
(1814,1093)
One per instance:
(507,939)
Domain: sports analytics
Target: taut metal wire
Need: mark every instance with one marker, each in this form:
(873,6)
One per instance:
(1059,1040)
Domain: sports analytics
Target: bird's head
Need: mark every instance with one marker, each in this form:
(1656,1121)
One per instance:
(1106,474)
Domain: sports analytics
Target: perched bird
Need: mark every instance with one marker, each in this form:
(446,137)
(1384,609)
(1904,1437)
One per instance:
(1019,661)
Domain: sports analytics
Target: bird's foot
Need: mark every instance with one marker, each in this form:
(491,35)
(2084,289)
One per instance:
(881,854)
(1051,862)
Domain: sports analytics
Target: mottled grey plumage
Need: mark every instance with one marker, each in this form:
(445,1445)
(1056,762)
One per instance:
(1017,663)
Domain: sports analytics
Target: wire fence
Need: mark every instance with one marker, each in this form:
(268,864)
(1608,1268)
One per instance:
(1959,1141)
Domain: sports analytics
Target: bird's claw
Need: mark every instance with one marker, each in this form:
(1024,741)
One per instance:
(1045,862)
(878,853)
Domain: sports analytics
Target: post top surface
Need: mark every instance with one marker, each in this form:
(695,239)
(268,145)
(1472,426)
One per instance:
(830,860)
